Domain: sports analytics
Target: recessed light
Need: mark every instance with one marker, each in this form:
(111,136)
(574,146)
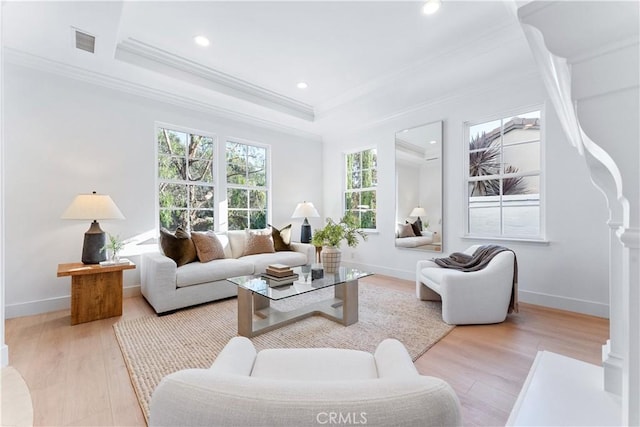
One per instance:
(201,41)
(431,7)
(302,85)
(433,142)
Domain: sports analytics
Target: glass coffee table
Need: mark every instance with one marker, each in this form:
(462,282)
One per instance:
(255,294)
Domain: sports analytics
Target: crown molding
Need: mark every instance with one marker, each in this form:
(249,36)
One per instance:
(39,63)
(158,60)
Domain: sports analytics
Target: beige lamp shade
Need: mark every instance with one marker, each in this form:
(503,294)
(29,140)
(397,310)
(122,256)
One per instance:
(418,212)
(305,210)
(92,206)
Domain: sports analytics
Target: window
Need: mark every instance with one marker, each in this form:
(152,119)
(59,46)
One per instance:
(361,182)
(185,180)
(504,177)
(247,186)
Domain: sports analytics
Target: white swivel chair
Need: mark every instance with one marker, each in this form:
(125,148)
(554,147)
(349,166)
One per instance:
(476,297)
(305,387)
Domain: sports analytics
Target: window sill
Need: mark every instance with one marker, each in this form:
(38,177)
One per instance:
(542,242)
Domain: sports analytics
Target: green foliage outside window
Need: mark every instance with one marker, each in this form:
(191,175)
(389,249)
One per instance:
(185,176)
(361,182)
(247,193)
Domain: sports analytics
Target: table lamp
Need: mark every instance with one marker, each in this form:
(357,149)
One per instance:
(418,212)
(93,207)
(305,210)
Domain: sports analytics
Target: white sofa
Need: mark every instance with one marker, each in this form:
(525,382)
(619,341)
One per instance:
(414,242)
(476,297)
(305,387)
(168,287)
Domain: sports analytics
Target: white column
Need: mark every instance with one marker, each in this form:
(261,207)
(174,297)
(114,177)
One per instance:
(630,237)
(4,350)
(613,350)
(592,78)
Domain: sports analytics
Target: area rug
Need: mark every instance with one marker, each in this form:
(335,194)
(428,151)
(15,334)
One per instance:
(154,347)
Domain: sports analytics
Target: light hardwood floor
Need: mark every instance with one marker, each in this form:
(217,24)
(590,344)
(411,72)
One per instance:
(77,376)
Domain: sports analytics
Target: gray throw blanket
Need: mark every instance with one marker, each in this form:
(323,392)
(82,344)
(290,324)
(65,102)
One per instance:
(479,260)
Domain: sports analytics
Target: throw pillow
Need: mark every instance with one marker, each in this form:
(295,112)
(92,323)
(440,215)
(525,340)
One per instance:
(208,246)
(179,246)
(406,231)
(258,242)
(281,238)
(416,228)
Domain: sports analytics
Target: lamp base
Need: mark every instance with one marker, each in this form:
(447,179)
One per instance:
(94,241)
(305,232)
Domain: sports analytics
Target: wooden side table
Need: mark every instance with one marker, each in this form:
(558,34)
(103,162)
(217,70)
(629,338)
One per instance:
(96,291)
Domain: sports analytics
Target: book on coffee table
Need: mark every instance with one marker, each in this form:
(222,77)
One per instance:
(276,272)
(280,281)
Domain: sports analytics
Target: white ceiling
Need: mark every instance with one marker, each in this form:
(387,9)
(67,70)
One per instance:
(363,60)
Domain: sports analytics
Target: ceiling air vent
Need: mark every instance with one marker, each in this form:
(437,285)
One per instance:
(85,41)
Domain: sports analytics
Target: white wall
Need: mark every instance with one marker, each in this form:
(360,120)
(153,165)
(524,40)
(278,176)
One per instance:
(407,190)
(431,194)
(569,272)
(65,137)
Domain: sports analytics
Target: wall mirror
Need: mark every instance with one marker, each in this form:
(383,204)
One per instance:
(419,188)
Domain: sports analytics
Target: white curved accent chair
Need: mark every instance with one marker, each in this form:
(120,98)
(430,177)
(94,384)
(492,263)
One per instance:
(305,387)
(475,297)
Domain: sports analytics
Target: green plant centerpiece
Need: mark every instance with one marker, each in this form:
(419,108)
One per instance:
(331,236)
(114,245)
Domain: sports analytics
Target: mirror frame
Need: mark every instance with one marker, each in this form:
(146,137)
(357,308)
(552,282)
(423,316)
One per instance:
(414,146)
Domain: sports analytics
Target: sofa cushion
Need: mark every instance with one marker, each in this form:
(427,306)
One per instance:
(179,246)
(281,238)
(208,246)
(258,242)
(225,241)
(416,228)
(261,261)
(435,275)
(329,364)
(219,269)
(406,230)
(237,241)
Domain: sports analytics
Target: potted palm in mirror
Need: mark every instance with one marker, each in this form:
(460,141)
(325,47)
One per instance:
(331,236)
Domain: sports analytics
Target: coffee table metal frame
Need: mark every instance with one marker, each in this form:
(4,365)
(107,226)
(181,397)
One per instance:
(255,296)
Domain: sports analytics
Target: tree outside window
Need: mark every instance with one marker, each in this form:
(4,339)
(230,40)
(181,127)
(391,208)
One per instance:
(185,180)
(504,177)
(247,188)
(361,183)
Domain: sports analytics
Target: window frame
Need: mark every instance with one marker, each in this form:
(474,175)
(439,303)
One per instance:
(540,173)
(345,190)
(227,185)
(214,165)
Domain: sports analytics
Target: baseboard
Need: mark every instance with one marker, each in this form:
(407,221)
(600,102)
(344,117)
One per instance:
(564,303)
(31,308)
